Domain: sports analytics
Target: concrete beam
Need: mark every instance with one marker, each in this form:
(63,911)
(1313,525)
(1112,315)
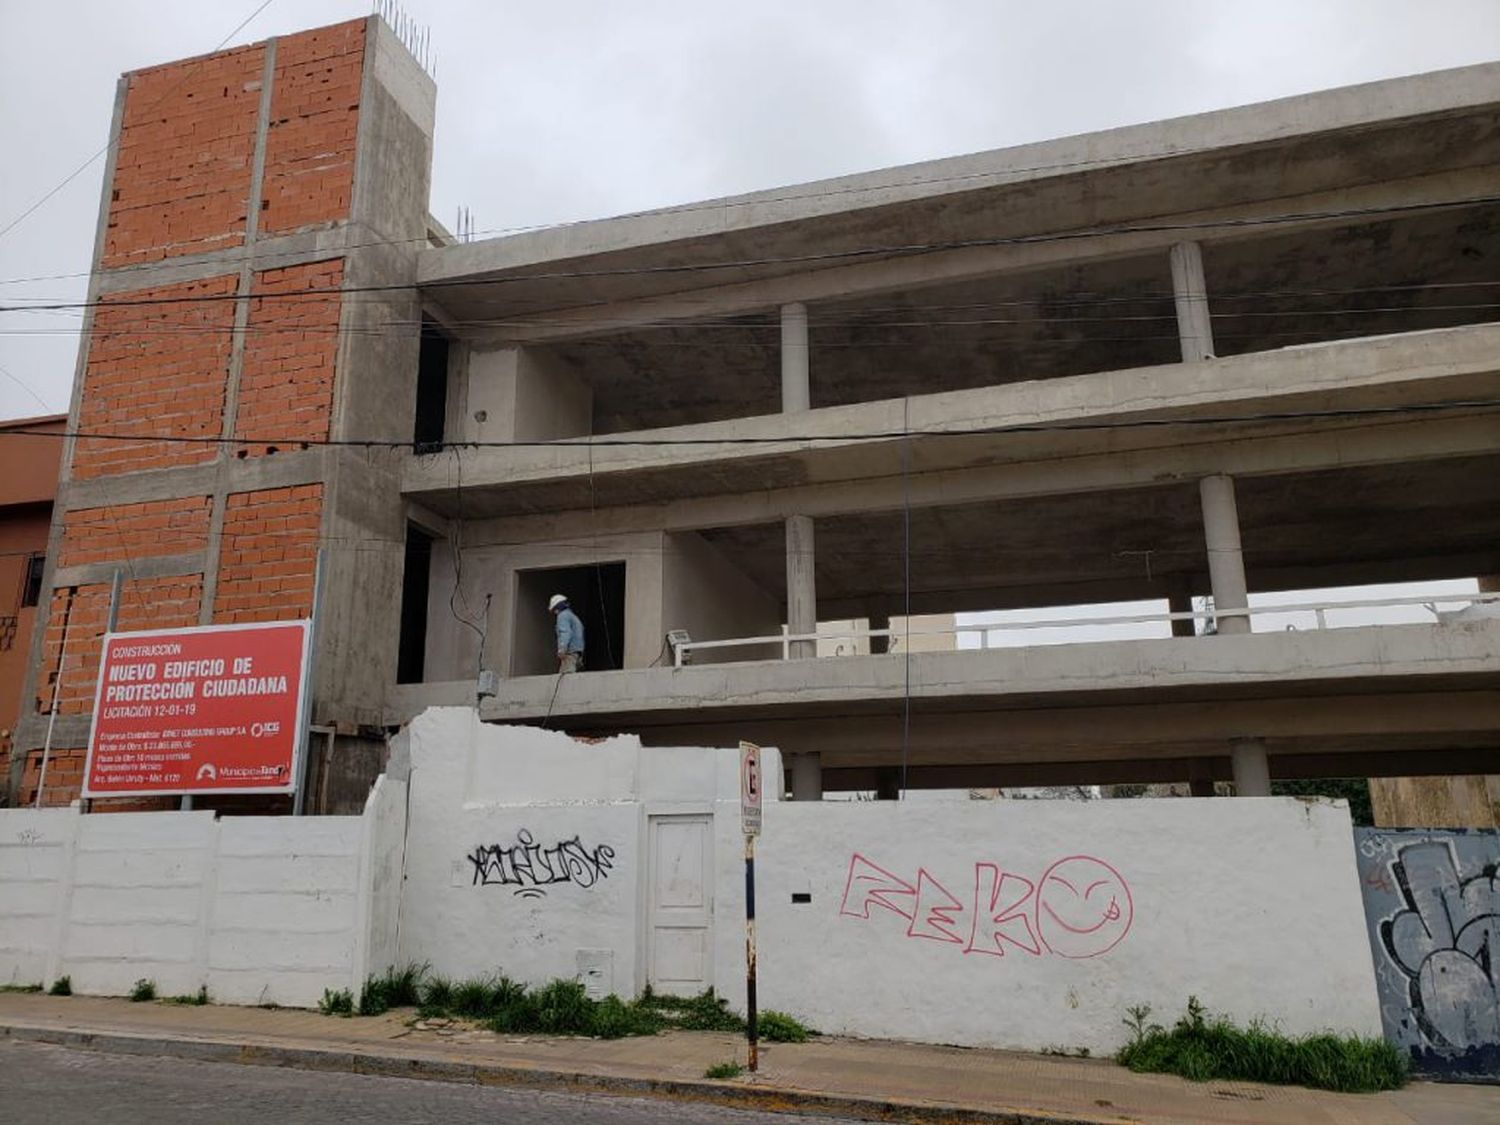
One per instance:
(1371,655)
(1158,770)
(922,270)
(1004,730)
(1195,454)
(1454,363)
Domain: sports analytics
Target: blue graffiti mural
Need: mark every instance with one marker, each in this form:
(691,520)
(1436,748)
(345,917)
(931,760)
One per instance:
(1432,902)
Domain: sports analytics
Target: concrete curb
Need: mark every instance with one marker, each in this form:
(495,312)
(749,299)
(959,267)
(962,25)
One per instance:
(771,1099)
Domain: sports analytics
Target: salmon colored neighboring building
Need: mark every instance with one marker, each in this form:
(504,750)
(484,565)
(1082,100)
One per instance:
(28,485)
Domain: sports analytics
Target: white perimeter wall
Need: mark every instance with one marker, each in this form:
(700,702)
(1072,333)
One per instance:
(477,786)
(258,909)
(1025,924)
(1252,905)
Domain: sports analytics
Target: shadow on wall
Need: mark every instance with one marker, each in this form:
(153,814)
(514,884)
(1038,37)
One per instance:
(1432,903)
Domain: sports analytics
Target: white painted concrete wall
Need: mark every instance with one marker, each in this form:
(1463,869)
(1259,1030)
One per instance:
(475,786)
(1252,905)
(1083,908)
(258,909)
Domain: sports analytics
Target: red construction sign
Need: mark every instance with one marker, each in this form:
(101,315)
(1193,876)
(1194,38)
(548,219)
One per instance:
(211,710)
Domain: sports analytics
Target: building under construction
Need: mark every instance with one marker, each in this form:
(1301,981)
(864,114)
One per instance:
(1246,352)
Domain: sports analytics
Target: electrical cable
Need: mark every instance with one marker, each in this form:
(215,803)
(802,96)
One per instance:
(897,250)
(823,440)
(71,176)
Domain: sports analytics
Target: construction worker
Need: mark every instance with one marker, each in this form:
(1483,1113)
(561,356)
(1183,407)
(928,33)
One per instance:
(569,635)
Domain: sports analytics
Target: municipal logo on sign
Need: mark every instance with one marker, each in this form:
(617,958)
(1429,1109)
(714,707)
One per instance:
(750,788)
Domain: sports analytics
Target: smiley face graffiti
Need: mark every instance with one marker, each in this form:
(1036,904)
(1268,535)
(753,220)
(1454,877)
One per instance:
(1083,907)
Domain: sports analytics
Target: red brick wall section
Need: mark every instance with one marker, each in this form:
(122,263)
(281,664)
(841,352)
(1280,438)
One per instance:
(65,784)
(286,382)
(147,603)
(309,169)
(121,532)
(268,554)
(156,370)
(182,169)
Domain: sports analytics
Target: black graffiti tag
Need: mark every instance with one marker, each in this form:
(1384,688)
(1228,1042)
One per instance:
(529,867)
(1447,944)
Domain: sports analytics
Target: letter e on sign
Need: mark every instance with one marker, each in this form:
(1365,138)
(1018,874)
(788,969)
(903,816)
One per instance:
(750,788)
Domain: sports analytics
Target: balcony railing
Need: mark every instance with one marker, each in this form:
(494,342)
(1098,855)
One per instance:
(1466,605)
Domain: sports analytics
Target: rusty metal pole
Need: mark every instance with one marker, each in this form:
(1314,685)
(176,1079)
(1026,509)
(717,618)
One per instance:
(750,951)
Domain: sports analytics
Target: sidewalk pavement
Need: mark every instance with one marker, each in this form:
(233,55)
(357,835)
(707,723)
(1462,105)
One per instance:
(871,1080)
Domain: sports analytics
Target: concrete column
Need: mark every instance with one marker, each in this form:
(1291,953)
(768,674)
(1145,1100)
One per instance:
(1182,602)
(1194,328)
(1252,770)
(807,777)
(796,391)
(801,588)
(1226,561)
(880,645)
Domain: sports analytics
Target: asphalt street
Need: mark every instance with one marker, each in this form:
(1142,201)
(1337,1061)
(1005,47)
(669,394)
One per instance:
(62,1086)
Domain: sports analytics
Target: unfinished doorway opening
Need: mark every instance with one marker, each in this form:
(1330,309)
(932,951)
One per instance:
(415,583)
(596,591)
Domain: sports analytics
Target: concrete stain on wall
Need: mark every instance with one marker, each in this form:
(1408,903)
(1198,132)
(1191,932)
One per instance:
(530,867)
(1432,902)
(1078,907)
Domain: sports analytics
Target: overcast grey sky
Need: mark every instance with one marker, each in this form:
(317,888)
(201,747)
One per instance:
(568,110)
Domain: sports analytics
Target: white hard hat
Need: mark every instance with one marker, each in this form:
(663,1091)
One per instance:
(555,601)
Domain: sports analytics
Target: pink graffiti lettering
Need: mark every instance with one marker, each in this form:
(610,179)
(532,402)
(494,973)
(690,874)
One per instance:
(869,885)
(1081,907)
(1001,902)
(934,917)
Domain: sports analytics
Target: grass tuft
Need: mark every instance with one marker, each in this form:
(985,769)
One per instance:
(20,988)
(62,986)
(613,1018)
(336,1003)
(724,1070)
(704,1012)
(1202,1049)
(398,988)
(778,1027)
(143,990)
(194,999)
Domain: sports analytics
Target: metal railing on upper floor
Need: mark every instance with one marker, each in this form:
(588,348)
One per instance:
(1470,605)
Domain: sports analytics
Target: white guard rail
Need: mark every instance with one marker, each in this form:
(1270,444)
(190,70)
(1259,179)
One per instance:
(682,649)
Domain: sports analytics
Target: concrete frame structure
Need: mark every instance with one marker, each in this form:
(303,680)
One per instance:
(1252,350)
(1218,225)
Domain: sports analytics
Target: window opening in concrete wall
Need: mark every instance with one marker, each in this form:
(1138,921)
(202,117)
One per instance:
(596,591)
(31,585)
(415,580)
(432,390)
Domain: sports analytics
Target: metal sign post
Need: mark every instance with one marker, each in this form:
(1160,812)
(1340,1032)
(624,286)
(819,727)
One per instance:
(750,790)
(304,719)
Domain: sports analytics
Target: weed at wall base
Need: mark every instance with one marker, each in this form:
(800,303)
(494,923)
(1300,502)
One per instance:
(1202,1049)
(336,1003)
(144,990)
(62,986)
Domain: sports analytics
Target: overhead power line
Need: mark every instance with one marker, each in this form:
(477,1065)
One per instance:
(586,443)
(76,172)
(853,253)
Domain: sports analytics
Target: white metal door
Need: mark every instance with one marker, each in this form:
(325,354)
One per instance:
(679,947)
